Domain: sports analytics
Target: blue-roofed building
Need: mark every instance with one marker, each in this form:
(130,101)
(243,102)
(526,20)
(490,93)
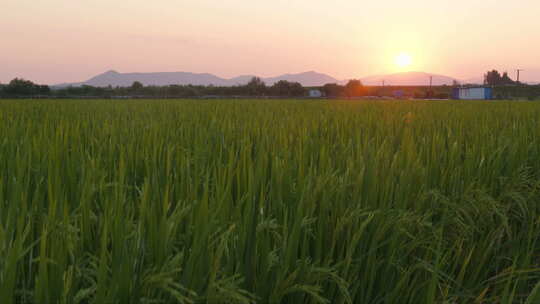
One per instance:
(477,93)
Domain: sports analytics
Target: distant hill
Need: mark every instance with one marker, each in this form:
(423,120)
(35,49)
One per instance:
(307,79)
(408,79)
(115,78)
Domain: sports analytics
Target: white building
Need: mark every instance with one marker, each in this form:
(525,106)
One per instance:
(315,93)
(479,93)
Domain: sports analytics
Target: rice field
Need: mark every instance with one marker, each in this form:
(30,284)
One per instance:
(269,201)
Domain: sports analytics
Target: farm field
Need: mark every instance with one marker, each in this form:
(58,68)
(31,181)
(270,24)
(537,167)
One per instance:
(269,201)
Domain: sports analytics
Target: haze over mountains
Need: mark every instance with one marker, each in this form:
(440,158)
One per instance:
(307,79)
(408,79)
(114,79)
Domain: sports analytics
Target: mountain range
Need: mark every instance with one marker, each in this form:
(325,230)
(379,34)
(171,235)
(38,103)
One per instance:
(115,78)
(408,79)
(307,79)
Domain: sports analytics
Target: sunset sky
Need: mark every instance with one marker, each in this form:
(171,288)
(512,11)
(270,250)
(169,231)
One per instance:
(53,41)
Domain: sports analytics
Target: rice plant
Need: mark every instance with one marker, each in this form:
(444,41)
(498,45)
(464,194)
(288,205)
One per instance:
(269,201)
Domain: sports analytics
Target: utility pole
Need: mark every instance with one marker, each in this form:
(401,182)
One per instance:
(430,91)
(518,70)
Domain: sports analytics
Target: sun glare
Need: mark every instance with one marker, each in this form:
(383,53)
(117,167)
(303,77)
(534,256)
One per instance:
(403,60)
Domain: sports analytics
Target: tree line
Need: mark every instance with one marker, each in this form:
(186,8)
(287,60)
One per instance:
(255,87)
(504,88)
(20,86)
(494,78)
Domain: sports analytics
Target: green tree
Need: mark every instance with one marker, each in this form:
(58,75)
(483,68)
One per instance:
(333,90)
(494,78)
(296,89)
(256,87)
(136,86)
(286,88)
(505,80)
(354,88)
(280,88)
(19,86)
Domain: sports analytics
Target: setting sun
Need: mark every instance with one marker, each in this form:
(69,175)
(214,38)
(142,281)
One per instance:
(403,60)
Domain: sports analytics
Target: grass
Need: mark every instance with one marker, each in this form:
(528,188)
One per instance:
(277,201)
